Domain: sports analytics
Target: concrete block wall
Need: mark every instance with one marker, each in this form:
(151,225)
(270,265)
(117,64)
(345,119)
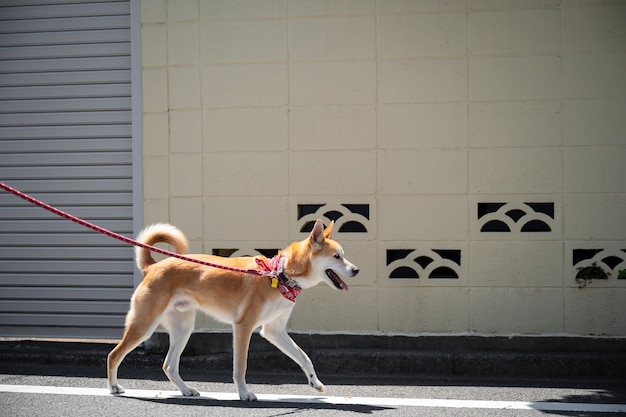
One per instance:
(471,151)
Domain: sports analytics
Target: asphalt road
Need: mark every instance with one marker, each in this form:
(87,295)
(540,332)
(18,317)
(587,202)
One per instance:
(80,391)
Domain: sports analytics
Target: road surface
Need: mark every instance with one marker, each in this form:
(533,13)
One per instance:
(81,391)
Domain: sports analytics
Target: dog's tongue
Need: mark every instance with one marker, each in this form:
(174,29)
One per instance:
(336,280)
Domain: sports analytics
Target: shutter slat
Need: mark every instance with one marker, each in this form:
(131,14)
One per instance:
(64,91)
(65,51)
(64,38)
(65,104)
(44,293)
(51,240)
(68,172)
(7,3)
(101,332)
(94,281)
(63,307)
(65,78)
(65,132)
(77,266)
(65,158)
(71,199)
(66,253)
(65,24)
(64,64)
(86,213)
(64,10)
(79,186)
(57,321)
(58,225)
(34,145)
(63,119)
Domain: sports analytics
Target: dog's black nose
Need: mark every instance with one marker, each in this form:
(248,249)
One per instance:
(355,271)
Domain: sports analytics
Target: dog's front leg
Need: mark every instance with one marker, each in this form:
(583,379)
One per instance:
(276,333)
(241,343)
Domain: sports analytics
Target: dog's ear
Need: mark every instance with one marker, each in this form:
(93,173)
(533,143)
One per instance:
(317,234)
(329,230)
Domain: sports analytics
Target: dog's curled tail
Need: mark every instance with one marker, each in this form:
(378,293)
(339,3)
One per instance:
(158,232)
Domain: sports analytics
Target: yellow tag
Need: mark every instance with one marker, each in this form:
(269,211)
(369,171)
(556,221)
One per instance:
(274,282)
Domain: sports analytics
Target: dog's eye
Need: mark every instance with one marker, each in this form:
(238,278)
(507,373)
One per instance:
(337,256)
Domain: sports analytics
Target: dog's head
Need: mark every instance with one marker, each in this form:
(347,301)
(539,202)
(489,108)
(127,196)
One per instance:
(319,258)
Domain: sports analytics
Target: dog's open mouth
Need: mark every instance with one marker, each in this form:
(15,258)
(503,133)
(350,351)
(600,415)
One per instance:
(336,280)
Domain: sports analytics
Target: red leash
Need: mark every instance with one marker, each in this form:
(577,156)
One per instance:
(132,241)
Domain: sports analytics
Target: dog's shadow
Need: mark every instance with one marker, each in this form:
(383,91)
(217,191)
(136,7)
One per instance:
(311,404)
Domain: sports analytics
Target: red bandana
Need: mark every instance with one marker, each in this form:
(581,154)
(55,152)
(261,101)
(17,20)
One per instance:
(287,287)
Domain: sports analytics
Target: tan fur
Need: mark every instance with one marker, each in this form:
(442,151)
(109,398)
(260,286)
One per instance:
(172,290)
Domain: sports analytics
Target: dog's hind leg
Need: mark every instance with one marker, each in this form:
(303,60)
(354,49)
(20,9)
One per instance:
(137,330)
(179,324)
(241,342)
(276,333)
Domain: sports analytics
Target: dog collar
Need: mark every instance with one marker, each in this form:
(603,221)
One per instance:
(274,269)
(287,286)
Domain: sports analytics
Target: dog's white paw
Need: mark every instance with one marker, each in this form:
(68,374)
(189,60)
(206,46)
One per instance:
(116,389)
(190,392)
(317,384)
(247,396)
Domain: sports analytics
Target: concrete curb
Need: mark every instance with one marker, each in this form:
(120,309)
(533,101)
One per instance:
(466,356)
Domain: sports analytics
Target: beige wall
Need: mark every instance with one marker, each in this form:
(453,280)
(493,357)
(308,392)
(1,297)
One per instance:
(421,112)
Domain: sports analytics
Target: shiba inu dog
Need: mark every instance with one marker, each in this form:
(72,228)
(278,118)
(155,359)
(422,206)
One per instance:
(173,289)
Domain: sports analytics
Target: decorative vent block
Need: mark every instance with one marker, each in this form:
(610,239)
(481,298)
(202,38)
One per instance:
(587,261)
(511,217)
(349,218)
(432,264)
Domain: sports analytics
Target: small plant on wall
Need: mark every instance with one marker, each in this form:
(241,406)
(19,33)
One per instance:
(599,264)
(587,274)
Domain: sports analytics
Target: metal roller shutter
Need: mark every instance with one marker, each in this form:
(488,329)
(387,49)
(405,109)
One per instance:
(65,138)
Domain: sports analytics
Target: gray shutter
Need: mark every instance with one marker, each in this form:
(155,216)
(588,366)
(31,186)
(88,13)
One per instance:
(65,138)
